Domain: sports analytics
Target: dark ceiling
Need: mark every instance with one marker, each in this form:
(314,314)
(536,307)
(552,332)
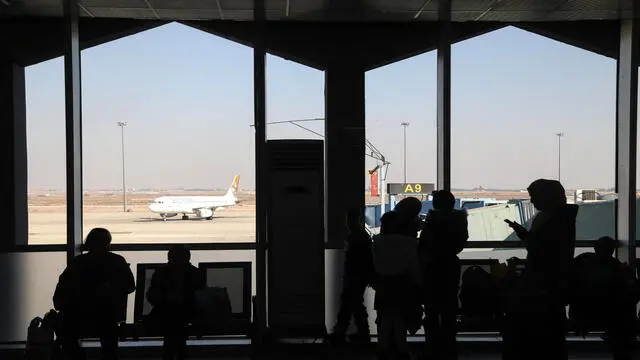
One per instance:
(333,10)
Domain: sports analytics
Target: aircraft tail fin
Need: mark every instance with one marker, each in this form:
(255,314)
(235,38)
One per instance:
(233,189)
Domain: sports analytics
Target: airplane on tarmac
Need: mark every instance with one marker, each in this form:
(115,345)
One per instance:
(201,206)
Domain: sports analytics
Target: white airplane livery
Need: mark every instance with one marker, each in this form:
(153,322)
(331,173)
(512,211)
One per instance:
(201,206)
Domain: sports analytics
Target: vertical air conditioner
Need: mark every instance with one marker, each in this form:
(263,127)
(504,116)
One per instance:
(295,238)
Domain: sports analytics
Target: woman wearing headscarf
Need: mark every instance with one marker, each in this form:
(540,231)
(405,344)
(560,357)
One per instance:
(550,244)
(409,210)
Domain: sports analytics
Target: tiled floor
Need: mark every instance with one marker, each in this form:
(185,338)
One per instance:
(301,354)
(484,351)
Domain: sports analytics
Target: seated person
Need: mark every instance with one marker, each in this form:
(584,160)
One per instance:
(603,297)
(91,296)
(172,295)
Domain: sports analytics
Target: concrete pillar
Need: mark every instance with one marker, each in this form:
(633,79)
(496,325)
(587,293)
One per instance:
(444,96)
(344,146)
(626,139)
(344,166)
(13,120)
(73,121)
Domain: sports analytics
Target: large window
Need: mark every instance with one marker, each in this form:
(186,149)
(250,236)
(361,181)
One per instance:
(525,107)
(167,144)
(174,104)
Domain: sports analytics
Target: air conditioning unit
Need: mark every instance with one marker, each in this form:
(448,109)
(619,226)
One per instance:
(295,238)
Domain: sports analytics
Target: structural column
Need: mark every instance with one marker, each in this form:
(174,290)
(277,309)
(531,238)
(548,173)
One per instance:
(444,96)
(260,123)
(344,146)
(14,147)
(626,139)
(73,121)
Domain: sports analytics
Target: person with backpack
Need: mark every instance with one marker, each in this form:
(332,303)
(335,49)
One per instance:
(172,295)
(408,210)
(398,280)
(91,296)
(358,274)
(443,237)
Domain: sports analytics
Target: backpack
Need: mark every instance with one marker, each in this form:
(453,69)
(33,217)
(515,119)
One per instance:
(213,307)
(41,344)
(477,293)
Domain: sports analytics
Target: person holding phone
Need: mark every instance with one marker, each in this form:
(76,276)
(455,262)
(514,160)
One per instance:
(550,244)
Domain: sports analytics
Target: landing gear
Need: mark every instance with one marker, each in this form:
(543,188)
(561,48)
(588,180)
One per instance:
(185,217)
(210,218)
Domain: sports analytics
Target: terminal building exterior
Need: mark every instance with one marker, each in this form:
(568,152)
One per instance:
(342,38)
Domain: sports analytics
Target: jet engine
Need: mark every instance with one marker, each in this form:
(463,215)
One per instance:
(205,213)
(168,215)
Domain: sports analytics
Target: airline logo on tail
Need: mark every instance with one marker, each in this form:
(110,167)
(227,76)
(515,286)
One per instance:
(233,189)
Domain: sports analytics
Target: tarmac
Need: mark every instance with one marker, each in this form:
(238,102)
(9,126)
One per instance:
(236,225)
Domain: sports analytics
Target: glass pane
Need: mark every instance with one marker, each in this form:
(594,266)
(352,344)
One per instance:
(401,129)
(46,161)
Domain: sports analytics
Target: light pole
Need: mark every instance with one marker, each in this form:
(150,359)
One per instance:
(122,124)
(404,154)
(559,135)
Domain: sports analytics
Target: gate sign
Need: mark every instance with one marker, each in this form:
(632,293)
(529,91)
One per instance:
(410,188)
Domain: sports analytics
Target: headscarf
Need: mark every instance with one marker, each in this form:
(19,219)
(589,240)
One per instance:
(409,207)
(547,194)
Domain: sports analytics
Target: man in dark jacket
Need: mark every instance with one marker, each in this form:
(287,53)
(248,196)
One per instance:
(172,295)
(443,237)
(358,273)
(91,296)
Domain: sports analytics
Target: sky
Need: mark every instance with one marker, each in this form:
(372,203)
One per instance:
(188,99)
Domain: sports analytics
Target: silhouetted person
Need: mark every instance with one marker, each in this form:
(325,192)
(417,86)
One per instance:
(409,210)
(172,295)
(91,296)
(398,279)
(358,274)
(550,245)
(442,238)
(604,298)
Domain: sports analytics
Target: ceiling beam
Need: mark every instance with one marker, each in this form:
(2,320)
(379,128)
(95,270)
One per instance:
(33,40)
(393,42)
(600,37)
(295,41)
